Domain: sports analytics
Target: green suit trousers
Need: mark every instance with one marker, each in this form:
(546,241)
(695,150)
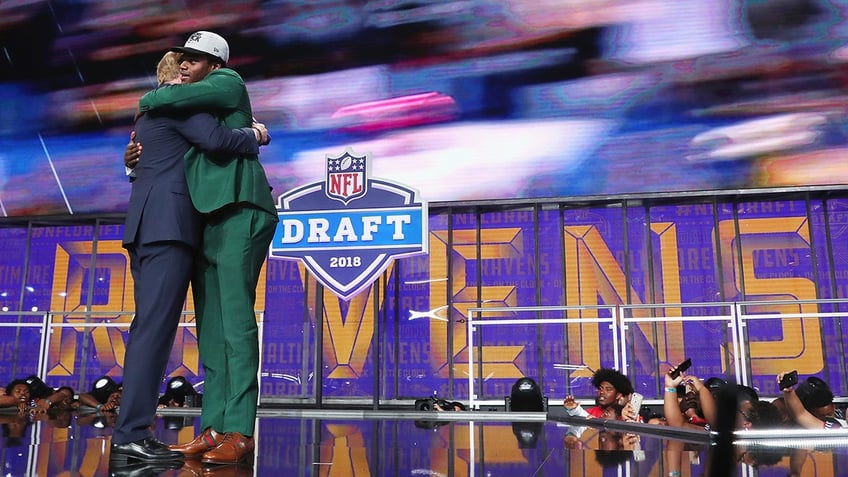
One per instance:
(235,246)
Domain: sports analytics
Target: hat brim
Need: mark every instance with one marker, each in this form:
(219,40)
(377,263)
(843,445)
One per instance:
(193,51)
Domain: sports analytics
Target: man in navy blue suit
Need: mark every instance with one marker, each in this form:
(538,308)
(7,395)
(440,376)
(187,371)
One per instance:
(162,234)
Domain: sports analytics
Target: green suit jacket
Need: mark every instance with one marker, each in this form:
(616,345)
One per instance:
(217,181)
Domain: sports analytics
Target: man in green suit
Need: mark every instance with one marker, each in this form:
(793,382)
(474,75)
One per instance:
(234,195)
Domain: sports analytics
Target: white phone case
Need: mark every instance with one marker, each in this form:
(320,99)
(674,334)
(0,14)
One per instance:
(636,402)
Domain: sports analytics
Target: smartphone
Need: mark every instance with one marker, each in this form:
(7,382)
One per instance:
(789,379)
(680,368)
(638,453)
(636,402)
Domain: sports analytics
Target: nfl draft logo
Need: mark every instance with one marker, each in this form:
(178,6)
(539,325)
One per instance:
(347,228)
(346,177)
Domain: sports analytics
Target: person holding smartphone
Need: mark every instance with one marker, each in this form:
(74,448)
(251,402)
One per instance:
(614,390)
(671,403)
(819,397)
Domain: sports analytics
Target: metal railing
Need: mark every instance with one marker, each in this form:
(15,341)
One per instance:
(734,315)
(90,320)
(619,319)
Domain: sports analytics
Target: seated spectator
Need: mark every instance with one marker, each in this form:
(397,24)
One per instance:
(818,397)
(105,395)
(17,396)
(176,391)
(611,402)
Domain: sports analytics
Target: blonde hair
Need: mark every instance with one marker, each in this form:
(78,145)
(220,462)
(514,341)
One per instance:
(168,67)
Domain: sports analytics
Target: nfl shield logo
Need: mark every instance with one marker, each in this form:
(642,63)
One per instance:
(346,247)
(346,178)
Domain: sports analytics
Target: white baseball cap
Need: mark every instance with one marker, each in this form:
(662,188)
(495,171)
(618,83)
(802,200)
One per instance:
(208,43)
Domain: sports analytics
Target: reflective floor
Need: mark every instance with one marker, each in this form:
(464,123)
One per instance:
(387,443)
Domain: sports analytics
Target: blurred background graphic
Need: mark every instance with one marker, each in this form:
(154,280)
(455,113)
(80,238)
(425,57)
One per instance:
(464,100)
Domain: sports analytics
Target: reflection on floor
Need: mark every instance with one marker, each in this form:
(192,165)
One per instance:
(387,443)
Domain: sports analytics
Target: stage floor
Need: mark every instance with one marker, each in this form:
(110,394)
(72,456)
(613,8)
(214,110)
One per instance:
(294,442)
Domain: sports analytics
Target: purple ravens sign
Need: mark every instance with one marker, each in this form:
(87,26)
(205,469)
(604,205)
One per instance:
(347,228)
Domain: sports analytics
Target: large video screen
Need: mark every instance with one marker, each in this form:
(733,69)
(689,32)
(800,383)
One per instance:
(460,99)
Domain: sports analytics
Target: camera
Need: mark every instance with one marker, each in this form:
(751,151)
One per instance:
(430,404)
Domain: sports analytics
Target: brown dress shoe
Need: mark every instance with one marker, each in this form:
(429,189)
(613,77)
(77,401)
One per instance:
(233,449)
(206,440)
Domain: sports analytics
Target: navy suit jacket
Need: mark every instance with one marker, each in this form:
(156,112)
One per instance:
(160,208)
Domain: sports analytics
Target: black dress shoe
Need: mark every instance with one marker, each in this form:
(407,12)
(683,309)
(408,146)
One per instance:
(143,450)
(141,469)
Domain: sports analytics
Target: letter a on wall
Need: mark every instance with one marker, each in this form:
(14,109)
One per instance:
(347,228)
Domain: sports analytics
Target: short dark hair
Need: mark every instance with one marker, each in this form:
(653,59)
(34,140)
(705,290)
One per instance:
(615,378)
(15,382)
(814,393)
(746,393)
(764,415)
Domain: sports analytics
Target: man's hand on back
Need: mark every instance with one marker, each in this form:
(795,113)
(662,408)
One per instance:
(132,152)
(261,134)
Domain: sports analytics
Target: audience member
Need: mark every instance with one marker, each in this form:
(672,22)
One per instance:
(66,398)
(785,417)
(45,397)
(818,412)
(701,398)
(759,415)
(613,390)
(17,396)
(690,406)
(105,395)
(746,396)
(816,396)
